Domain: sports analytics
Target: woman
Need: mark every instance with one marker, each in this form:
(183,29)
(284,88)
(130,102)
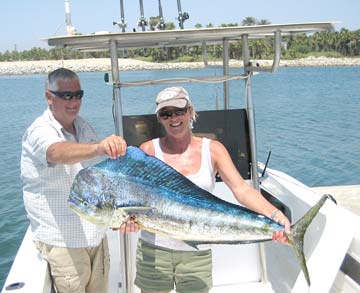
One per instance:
(163,261)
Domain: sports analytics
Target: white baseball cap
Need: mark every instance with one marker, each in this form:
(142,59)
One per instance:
(172,97)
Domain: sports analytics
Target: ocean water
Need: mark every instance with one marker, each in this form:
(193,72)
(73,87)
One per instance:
(308,117)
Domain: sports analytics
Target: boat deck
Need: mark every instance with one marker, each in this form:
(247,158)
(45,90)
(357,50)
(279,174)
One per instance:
(347,196)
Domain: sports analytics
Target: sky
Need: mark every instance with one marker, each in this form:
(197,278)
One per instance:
(25,23)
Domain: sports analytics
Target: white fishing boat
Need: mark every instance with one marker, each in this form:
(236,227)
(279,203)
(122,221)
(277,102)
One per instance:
(332,242)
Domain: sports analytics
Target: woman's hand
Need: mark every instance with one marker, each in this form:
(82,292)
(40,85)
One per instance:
(281,219)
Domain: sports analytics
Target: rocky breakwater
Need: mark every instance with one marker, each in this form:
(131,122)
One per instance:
(93,65)
(321,61)
(103,64)
(45,66)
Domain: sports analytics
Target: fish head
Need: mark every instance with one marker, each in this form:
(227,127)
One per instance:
(91,197)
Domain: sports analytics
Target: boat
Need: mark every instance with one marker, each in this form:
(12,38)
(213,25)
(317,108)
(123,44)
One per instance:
(332,242)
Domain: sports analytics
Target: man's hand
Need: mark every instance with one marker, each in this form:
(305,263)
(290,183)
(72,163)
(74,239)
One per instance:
(114,146)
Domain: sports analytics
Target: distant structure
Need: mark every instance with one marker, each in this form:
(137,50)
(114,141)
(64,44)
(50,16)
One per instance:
(70,30)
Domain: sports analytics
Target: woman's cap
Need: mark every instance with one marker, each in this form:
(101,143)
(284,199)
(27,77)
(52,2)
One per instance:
(172,97)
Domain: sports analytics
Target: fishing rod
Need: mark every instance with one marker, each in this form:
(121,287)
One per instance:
(122,23)
(161,25)
(182,15)
(142,21)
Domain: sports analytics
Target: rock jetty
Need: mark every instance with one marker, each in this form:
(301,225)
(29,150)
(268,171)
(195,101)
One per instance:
(103,64)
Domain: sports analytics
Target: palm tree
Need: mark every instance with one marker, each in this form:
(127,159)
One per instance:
(248,21)
(263,22)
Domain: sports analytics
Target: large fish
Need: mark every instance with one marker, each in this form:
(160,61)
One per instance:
(166,202)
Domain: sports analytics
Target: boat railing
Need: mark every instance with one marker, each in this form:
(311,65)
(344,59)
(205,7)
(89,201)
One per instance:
(205,79)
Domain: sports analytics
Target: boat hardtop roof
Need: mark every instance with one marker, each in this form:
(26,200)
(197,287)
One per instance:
(173,38)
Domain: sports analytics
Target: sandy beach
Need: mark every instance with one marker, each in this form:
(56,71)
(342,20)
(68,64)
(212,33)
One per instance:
(103,64)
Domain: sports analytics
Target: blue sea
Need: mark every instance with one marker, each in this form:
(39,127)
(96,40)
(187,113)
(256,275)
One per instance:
(308,117)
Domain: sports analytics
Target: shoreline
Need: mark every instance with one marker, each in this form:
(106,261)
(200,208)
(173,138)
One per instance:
(103,64)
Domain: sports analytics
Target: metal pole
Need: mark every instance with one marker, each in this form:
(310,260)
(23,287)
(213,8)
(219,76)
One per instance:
(276,60)
(277,45)
(252,134)
(226,72)
(125,247)
(251,114)
(204,53)
(116,88)
(245,51)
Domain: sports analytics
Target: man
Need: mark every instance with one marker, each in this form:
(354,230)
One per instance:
(55,147)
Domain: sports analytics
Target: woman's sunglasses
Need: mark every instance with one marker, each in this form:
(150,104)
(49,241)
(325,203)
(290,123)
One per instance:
(168,114)
(67,96)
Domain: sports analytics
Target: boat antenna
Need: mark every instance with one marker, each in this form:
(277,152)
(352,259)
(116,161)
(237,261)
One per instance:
(70,30)
(142,21)
(266,164)
(182,15)
(122,23)
(161,25)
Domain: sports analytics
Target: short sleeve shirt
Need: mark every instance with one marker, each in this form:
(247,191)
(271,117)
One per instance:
(46,186)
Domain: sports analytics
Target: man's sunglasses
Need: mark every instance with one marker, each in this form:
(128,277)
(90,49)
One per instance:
(168,114)
(67,96)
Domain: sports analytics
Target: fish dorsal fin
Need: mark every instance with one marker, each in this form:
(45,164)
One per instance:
(142,167)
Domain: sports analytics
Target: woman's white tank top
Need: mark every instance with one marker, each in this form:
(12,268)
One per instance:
(204,178)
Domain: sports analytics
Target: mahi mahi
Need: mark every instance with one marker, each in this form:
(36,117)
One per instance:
(165,202)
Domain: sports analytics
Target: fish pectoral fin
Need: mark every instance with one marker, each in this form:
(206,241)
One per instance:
(129,211)
(123,214)
(193,244)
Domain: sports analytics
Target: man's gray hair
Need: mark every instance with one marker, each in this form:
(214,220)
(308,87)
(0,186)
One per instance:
(59,74)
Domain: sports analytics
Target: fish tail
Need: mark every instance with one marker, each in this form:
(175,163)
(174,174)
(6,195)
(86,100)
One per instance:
(296,235)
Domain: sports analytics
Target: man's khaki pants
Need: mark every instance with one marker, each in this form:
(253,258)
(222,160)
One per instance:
(78,270)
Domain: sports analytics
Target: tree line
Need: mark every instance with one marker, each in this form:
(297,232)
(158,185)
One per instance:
(343,43)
